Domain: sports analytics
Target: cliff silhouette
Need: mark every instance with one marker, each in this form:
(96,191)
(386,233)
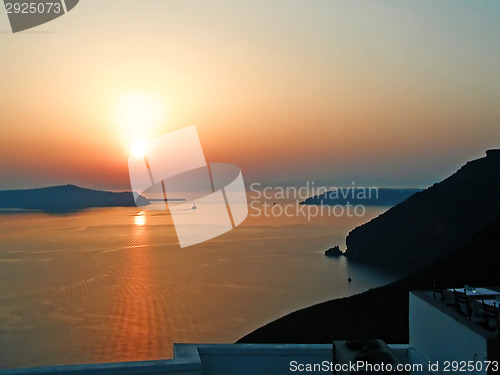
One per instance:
(432,223)
(383,312)
(452,233)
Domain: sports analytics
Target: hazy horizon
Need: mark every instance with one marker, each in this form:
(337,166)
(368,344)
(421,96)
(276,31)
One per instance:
(385,93)
(248,189)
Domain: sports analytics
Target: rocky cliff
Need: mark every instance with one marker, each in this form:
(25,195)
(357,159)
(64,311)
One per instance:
(432,223)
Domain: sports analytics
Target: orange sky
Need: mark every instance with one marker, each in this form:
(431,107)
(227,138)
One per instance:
(389,93)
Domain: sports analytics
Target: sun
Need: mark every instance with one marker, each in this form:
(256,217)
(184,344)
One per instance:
(138,149)
(139,116)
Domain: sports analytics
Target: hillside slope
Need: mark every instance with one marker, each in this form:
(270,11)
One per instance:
(434,222)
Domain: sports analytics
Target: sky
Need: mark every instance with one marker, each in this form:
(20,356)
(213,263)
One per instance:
(376,92)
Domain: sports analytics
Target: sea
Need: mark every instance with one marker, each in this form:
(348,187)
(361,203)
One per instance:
(113,284)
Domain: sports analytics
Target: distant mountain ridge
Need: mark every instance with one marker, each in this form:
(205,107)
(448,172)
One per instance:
(432,223)
(362,195)
(65,198)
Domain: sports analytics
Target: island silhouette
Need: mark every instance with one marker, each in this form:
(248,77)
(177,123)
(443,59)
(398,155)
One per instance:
(65,198)
(361,195)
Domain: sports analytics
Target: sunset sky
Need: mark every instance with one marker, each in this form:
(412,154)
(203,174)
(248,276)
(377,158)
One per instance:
(387,93)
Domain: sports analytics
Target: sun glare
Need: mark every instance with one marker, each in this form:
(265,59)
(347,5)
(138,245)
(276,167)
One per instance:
(138,149)
(139,116)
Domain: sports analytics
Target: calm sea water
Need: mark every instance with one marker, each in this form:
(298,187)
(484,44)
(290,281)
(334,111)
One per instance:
(113,284)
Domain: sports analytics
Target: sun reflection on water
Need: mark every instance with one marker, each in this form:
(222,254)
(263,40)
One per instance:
(140,219)
(137,312)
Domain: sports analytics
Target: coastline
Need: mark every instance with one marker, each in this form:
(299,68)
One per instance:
(383,312)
